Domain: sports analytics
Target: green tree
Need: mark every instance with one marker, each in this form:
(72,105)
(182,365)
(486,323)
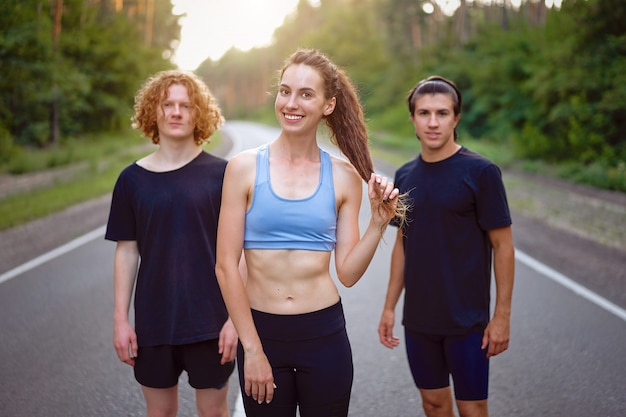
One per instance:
(578,83)
(102,56)
(25,64)
(360,51)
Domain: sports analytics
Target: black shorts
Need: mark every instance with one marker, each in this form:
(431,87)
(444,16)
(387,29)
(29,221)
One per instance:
(161,366)
(433,358)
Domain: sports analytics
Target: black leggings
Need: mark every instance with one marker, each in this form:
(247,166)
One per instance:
(311,361)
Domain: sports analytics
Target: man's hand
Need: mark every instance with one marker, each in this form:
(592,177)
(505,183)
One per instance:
(228,342)
(496,336)
(385,330)
(125,342)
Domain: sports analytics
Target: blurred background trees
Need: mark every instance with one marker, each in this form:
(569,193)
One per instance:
(73,65)
(548,82)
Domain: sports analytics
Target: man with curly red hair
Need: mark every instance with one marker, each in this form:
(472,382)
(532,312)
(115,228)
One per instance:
(163,216)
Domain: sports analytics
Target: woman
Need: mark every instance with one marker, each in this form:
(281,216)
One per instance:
(288,205)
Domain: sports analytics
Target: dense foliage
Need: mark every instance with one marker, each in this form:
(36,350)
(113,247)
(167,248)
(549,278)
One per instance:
(548,82)
(81,70)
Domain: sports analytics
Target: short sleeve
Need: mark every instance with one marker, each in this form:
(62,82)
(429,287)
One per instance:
(491,204)
(121,223)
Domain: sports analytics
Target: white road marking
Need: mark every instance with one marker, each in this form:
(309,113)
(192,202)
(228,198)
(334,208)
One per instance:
(570,284)
(238,408)
(519,255)
(61,250)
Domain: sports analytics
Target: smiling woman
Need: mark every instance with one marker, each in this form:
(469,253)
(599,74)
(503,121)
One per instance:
(210,28)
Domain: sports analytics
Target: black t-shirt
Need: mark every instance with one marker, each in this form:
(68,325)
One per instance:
(173,217)
(447,270)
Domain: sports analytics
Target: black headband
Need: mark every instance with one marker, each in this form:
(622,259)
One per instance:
(436,78)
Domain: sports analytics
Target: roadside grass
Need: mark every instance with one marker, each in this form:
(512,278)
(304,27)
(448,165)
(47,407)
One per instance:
(103,161)
(398,149)
(101,158)
(21,208)
(597,174)
(89,148)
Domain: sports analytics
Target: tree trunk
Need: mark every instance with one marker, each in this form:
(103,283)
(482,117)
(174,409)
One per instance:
(54,110)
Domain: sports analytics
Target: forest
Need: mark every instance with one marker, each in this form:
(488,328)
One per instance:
(546,81)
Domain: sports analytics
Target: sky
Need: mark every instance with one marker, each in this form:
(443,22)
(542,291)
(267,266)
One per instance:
(212,27)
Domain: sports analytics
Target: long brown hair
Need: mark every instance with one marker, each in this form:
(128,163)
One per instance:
(347,122)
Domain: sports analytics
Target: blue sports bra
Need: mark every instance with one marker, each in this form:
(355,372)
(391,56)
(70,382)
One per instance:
(274,222)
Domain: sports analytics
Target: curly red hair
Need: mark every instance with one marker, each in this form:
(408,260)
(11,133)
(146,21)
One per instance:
(205,111)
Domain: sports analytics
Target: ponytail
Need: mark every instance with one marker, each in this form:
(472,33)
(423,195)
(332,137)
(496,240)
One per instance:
(347,122)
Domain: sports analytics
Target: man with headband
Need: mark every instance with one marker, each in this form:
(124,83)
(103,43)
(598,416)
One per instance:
(459,227)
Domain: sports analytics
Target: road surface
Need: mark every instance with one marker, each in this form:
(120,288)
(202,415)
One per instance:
(566,358)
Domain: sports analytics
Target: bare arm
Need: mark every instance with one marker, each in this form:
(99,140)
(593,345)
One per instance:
(125,263)
(497,333)
(228,335)
(394,290)
(230,233)
(353,254)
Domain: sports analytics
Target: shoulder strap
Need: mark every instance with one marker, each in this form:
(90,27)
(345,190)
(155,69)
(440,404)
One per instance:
(262,164)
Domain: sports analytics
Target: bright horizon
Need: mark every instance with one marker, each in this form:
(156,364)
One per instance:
(212,27)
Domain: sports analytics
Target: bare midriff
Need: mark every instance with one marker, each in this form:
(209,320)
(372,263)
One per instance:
(289,281)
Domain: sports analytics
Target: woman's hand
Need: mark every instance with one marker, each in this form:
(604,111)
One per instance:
(383,199)
(258,377)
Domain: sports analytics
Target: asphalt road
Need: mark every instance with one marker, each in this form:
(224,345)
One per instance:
(567,355)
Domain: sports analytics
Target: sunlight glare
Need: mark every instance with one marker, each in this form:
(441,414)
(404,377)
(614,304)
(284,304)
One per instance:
(210,28)
(448,6)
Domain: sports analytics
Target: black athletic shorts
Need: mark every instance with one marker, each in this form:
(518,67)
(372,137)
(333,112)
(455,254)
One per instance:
(161,366)
(434,358)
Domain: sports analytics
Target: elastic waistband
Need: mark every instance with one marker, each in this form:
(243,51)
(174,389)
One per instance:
(291,327)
